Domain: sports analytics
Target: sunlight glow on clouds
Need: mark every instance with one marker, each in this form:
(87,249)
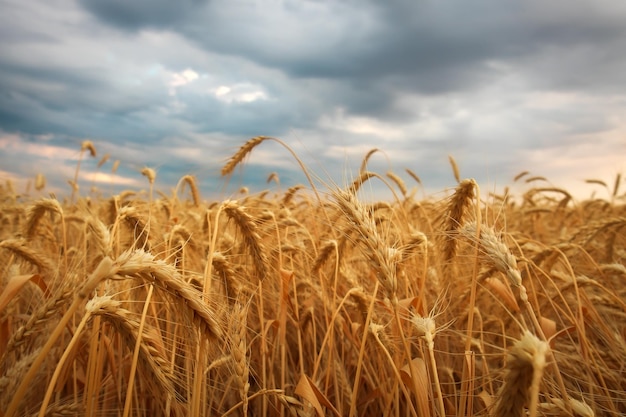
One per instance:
(12,144)
(9,176)
(361,125)
(179,79)
(239,93)
(111,179)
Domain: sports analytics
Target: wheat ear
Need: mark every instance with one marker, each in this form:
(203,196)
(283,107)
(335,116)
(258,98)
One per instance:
(137,224)
(245,149)
(40,182)
(143,265)
(152,357)
(103,271)
(193,187)
(101,235)
(290,193)
(328,248)
(37,321)
(11,376)
(357,183)
(248,229)
(502,259)
(248,146)
(20,248)
(366,159)
(413,175)
(524,369)
(498,254)
(229,279)
(454,217)
(455,169)
(86,145)
(104,305)
(36,212)
(398,181)
(427,329)
(383,258)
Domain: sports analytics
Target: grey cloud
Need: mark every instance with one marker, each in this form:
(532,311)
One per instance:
(208,114)
(370,40)
(411,66)
(137,14)
(81,103)
(369,50)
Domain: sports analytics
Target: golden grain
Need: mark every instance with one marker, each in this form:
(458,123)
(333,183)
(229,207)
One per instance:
(239,156)
(150,174)
(281,306)
(524,369)
(88,145)
(247,227)
(193,187)
(398,181)
(40,182)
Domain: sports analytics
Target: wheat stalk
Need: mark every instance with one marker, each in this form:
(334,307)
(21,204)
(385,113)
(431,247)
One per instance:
(427,329)
(86,145)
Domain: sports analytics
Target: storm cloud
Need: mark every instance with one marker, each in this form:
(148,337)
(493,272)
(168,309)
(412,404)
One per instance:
(501,86)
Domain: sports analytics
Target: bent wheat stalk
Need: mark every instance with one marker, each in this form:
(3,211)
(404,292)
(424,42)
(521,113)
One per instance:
(247,147)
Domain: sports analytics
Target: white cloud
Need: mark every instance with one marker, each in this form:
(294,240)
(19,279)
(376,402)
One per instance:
(111,179)
(361,125)
(222,90)
(239,93)
(13,144)
(179,79)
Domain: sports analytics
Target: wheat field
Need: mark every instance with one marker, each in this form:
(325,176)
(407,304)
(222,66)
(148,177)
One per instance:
(313,301)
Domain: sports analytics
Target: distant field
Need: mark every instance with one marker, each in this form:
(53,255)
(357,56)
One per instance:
(313,302)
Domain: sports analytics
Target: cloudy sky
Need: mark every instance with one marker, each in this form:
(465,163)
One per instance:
(502,86)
